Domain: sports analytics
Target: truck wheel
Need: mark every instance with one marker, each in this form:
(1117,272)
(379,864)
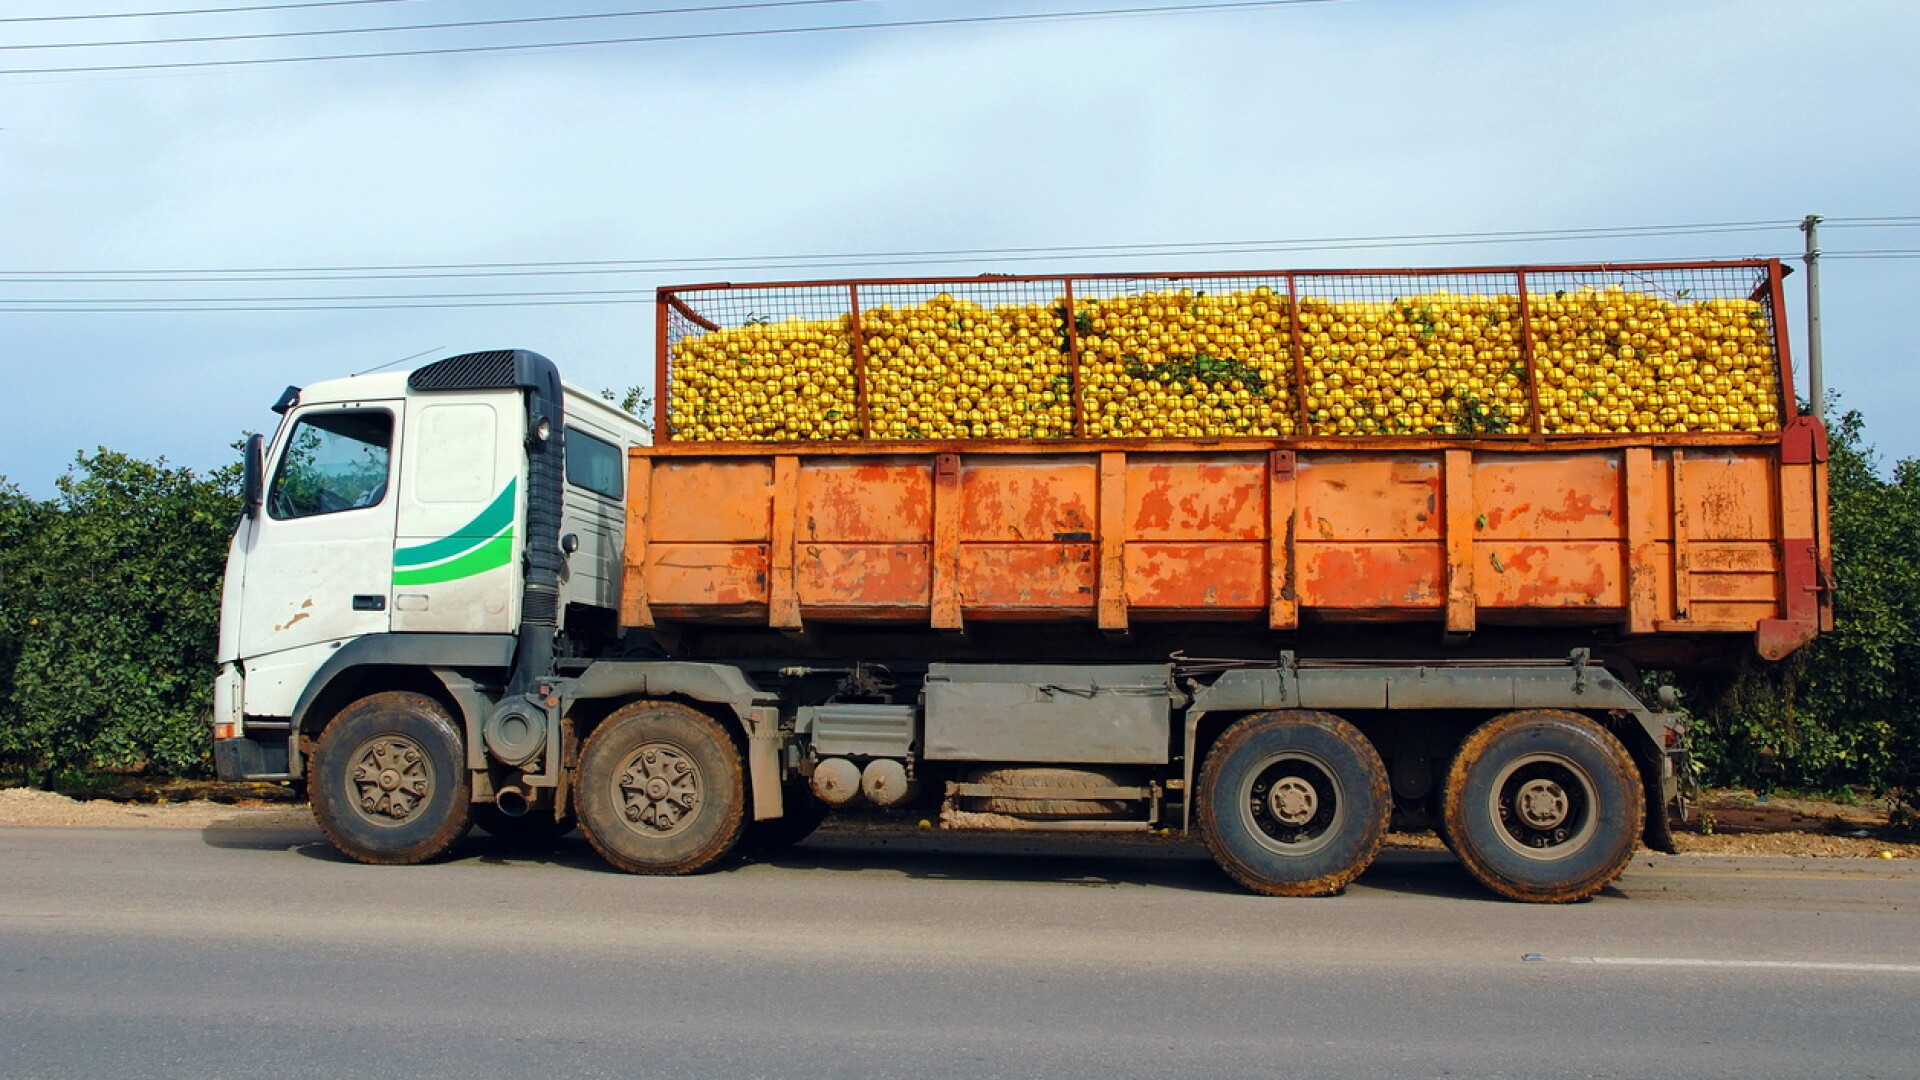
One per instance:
(804,813)
(661,790)
(1294,803)
(533,828)
(1543,805)
(388,783)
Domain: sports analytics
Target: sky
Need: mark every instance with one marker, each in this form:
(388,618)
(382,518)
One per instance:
(127,195)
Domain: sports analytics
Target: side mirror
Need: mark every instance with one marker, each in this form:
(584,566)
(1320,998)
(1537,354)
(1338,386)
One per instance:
(252,479)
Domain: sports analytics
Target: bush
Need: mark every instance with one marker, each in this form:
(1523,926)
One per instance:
(110,618)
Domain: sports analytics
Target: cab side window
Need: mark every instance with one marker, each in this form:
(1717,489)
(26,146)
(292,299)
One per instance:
(595,464)
(334,461)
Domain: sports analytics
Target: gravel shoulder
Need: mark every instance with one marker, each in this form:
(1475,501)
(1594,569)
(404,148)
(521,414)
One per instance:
(1730,822)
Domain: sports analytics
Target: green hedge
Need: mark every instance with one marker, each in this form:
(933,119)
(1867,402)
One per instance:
(109,611)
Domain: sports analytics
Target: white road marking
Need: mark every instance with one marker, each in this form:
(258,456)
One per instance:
(1677,961)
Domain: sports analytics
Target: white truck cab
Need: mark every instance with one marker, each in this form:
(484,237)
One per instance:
(410,523)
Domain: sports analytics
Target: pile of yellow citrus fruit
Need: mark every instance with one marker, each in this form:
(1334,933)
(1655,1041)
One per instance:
(1185,364)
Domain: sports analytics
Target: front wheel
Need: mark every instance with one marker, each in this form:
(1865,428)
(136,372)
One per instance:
(388,783)
(1294,803)
(661,789)
(1543,806)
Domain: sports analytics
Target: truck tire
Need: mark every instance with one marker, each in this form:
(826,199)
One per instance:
(661,789)
(1294,803)
(535,828)
(388,781)
(1543,805)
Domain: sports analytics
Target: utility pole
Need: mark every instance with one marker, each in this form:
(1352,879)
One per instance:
(1816,376)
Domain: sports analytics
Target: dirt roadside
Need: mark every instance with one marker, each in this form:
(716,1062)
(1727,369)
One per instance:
(1731,822)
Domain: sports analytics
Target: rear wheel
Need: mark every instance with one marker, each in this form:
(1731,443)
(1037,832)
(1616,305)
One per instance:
(387,781)
(1294,803)
(661,789)
(1543,805)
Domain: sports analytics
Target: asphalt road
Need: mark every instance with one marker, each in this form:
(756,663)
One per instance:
(240,953)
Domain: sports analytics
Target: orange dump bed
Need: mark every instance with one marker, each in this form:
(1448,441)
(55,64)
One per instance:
(1650,535)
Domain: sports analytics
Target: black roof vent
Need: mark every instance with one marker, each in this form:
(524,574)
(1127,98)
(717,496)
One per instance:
(498,369)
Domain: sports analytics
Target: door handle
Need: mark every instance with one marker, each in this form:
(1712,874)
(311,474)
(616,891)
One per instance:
(369,602)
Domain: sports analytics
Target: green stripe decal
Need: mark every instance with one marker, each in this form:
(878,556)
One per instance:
(491,555)
(486,526)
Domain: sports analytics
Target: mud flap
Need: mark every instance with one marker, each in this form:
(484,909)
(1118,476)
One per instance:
(1668,799)
(764,739)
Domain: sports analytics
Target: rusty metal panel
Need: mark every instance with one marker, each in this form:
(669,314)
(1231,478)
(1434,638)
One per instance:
(1195,497)
(1027,578)
(721,576)
(721,500)
(1373,497)
(866,500)
(1550,574)
(1730,496)
(1197,578)
(1029,500)
(1365,577)
(866,576)
(1745,571)
(1549,496)
(1721,616)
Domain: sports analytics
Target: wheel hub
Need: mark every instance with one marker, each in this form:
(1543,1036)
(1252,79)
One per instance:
(1542,804)
(390,777)
(658,788)
(1293,801)
(1292,804)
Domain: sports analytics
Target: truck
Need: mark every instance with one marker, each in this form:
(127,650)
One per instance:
(1284,560)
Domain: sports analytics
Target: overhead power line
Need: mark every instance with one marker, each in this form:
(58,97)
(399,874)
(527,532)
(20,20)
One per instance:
(218,306)
(710,35)
(1874,253)
(196,11)
(576,293)
(1873,222)
(466,25)
(783,264)
(817,260)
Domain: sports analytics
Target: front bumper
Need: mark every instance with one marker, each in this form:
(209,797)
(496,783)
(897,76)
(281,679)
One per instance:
(243,751)
(242,758)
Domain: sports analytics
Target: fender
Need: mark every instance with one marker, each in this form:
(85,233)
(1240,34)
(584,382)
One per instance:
(422,651)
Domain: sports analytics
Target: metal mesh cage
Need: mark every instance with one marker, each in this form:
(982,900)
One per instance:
(1588,351)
